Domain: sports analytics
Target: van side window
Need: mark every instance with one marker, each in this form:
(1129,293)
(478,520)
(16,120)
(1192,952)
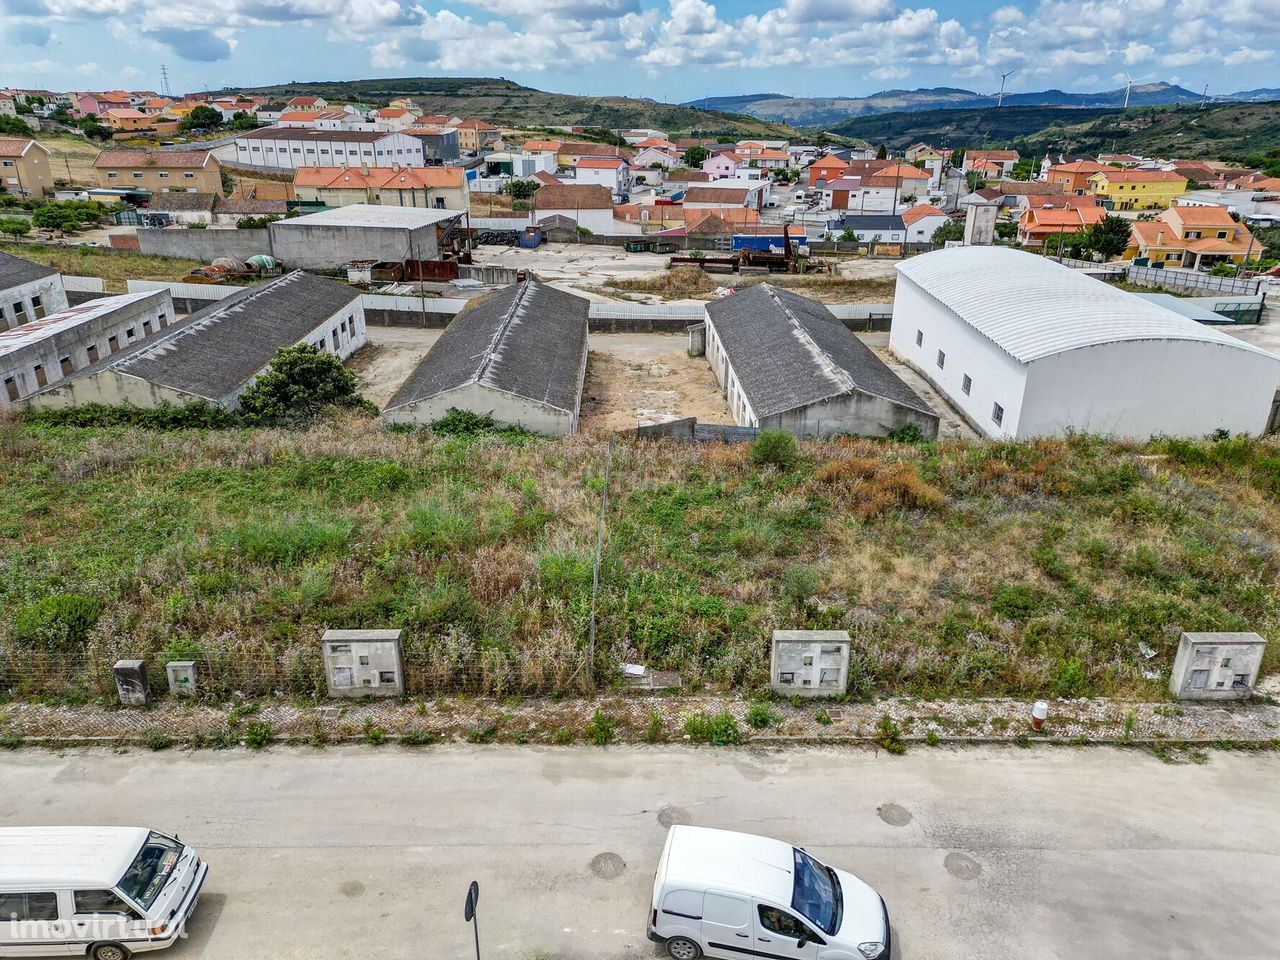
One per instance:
(683,903)
(28,906)
(782,923)
(726,911)
(102,901)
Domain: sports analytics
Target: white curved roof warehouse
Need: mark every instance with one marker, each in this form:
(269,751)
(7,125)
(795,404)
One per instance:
(1024,346)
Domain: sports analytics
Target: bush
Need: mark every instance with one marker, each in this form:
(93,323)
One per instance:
(822,718)
(284,541)
(416,738)
(774,448)
(720,729)
(199,415)
(656,731)
(302,383)
(1069,679)
(890,736)
(799,584)
(1018,602)
(255,223)
(59,623)
(157,739)
(760,716)
(464,423)
(257,734)
(602,729)
(374,735)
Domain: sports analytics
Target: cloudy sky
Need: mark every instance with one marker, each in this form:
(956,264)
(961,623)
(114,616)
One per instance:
(666,49)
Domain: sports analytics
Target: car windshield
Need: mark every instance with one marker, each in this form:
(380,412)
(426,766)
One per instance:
(153,865)
(817,892)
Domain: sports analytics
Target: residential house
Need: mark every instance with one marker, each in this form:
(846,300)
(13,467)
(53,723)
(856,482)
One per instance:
(932,163)
(439,144)
(590,205)
(826,169)
(659,143)
(475,135)
(612,172)
(96,104)
(921,221)
(156,106)
(1045,217)
(1004,159)
(271,112)
(656,157)
(802,154)
(1120,159)
(727,193)
(570,153)
(25,169)
(1137,189)
(720,166)
(1074,177)
(869,227)
(1196,238)
(439,188)
(915,150)
(312,104)
(541,146)
(286,148)
(395,118)
(842,194)
(174,207)
(8,106)
(664,216)
(186,171)
(126,118)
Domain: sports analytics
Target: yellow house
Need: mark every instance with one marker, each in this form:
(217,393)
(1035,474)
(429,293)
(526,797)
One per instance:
(1191,237)
(1137,189)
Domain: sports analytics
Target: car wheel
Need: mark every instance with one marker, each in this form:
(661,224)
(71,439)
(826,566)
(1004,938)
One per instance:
(682,948)
(108,951)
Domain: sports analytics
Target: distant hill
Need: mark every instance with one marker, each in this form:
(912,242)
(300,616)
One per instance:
(824,111)
(1220,129)
(509,104)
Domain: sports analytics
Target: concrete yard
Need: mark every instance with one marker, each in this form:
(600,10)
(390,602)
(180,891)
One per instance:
(388,358)
(577,262)
(635,378)
(357,852)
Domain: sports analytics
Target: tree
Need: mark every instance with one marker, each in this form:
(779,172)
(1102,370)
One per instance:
(1023,169)
(302,382)
(15,226)
(240,120)
(255,223)
(695,156)
(225,178)
(974,181)
(951,230)
(1109,236)
(93,129)
(520,189)
(14,126)
(201,118)
(957,158)
(882,152)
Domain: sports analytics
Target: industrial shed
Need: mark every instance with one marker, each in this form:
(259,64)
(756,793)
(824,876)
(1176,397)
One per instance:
(362,231)
(215,353)
(786,363)
(1024,347)
(28,291)
(518,355)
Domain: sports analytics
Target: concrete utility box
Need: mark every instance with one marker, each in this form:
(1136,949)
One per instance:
(360,663)
(811,663)
(1216,666)
(980,224)
(182,677)
(131,683)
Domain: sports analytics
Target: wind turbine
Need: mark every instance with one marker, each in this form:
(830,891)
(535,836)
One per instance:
(1003,77)
(1129,86)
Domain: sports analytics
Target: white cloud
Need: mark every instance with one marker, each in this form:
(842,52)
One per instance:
(1007,15)
(1138,52)
(1246,55)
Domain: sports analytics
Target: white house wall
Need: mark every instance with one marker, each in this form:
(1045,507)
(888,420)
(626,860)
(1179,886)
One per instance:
(291,154)
(996,376)
(1143,388)
(16,302)
(739,406)
(112,389)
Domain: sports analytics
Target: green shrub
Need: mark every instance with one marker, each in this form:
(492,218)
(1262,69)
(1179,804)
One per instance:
(10,740)
(932,739)
(656,731)
(257,734)
(485,734)
(720,729)
(302,383)
(198,415)
(774,448)
(760,715)
(601,729)
(416,738)
(823,718)
(799,584)
(59,623)
(563,735)
(890,736)
(1018,602)
(157,739)
(278,541)
(910,433)
(1069,678)
(374,735)
(464,423)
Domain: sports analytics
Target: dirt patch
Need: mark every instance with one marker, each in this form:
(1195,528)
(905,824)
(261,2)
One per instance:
(678,283)
(635,378)
(386,361)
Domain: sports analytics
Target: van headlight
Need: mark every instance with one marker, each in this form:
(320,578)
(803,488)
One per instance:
(871,950)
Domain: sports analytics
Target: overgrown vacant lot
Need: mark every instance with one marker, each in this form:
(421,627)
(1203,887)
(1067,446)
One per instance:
(963,568)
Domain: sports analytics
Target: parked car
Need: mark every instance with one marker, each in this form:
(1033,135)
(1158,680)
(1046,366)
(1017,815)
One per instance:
(733,895)
(101,892)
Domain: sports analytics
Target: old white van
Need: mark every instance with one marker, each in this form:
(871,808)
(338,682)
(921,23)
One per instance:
(101,892)
(735,895)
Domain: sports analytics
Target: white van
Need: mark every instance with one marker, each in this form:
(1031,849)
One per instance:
(100,892)
(734,895)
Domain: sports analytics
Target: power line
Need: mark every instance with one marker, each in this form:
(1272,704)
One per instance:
(165,89)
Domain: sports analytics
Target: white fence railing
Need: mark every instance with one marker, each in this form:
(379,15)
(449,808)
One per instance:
(629,311)
(1192,280)
(193,291)
(382,301)
(83,284)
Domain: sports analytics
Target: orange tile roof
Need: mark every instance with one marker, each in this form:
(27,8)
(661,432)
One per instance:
(1200,216)
(1079,166)
(1140,176)
(654,142)
(14,148)
(903,171)
(160,160)
(600,163)
(390,112)
(991,155)
(355,178)
(919,212)
(549,146)
(1155,233)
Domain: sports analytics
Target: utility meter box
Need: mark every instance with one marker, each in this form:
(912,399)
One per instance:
(1216,666)
(811,663)
(131,683)
(182,677)
(361,663)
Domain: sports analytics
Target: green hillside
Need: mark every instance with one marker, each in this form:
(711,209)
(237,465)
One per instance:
(962,128)
(509,104)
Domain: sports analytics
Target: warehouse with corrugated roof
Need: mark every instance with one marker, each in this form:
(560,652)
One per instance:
(1023,346)
(518,355)
(784,362)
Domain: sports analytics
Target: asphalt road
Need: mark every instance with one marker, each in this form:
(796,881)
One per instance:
(358,852)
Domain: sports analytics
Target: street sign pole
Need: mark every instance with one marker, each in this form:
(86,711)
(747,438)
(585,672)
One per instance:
(469,912)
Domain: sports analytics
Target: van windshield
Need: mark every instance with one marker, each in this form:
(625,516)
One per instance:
(153,865)
(817,892)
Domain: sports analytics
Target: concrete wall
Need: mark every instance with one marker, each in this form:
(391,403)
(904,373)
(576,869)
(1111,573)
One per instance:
(204,245)
(995,376)
(858,413)
(111,388)
(1143,388)
(319,247)
(17,304)
(81,346)
(503,407)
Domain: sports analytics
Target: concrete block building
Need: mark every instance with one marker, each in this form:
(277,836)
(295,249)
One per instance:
(28,291)
(518,355)
(61,345)
(159,171)
(287,148)
(217,352)
(1023,347)
(362,231)
(786,363)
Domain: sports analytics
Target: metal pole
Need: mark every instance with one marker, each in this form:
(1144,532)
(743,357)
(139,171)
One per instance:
(475,926)
(595,574)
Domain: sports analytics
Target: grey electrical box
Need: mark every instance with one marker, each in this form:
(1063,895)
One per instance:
(360,663)
(811,663)
(182,677)
(1216,666)
(131,683)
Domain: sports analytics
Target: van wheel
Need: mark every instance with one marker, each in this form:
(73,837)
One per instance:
(108,951)
(682,948)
